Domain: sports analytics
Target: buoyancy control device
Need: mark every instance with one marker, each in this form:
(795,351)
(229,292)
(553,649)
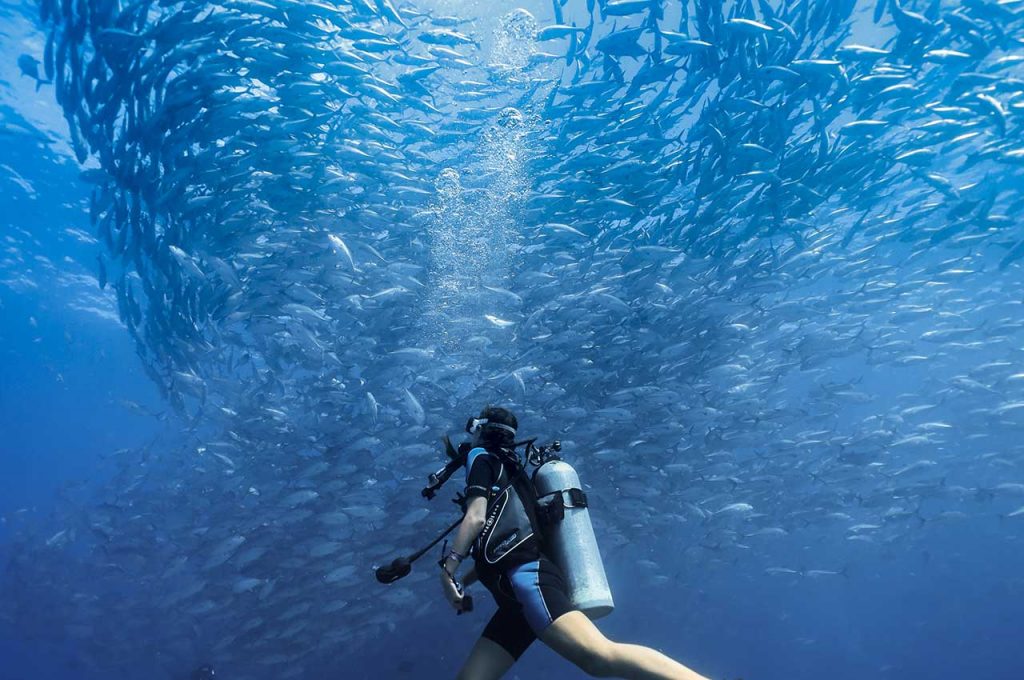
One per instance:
(511,515)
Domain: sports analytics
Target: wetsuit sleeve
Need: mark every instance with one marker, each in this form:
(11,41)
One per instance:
(480,475)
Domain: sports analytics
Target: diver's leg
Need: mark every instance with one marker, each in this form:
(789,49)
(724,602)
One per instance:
(487,661)
(505,638)
(576,638)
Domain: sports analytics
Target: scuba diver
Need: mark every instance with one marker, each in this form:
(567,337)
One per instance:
(515,562)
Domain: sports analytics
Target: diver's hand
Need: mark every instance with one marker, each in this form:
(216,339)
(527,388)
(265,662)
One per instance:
(451,593)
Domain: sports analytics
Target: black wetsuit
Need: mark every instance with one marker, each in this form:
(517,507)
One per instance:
(528,587)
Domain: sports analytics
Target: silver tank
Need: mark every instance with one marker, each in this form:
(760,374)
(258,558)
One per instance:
(572,543)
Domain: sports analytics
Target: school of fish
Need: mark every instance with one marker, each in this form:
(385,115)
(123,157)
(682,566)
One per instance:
(758,264)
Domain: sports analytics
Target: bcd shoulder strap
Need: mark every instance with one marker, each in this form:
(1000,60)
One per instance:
(523,486)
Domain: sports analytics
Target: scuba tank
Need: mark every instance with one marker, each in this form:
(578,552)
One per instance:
(569,536)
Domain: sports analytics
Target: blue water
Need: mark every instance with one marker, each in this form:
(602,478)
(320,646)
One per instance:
(88,435)
(64,376)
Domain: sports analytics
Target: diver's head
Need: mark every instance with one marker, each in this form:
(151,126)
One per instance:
(203,673)
(495,427)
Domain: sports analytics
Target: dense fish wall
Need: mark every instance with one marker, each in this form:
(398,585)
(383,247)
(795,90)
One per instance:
(698,241)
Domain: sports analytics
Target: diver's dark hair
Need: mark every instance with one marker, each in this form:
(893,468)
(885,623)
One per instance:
(498,437)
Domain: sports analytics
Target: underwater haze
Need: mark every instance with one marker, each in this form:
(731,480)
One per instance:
(757,264)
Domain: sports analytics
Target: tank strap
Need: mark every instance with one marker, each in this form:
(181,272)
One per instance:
(554,511)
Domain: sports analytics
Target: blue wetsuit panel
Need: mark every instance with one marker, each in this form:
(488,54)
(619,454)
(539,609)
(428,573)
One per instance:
(540,588)
(530,597)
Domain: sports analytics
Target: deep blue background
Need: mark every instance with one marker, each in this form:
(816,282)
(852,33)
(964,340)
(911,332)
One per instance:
(64,372)
(948,604)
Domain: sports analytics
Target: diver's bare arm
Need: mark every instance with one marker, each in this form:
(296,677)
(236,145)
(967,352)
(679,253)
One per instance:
(470,527)
(470,577)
